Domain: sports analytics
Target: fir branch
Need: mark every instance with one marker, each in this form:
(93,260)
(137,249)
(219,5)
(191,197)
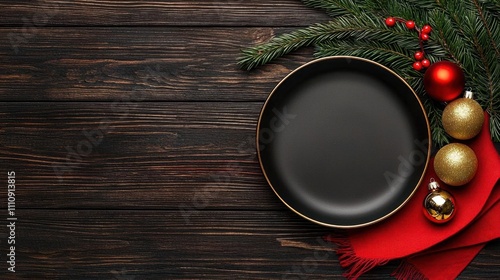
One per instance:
(446,35)
(489,32)
(487,56)
(495,126)
(423,4)
(434,114)
(465,31)
(286,43)
(492,7)
(335,8)
(398,59)
(462,30)
(405,10)
(393,57)
(341,28)
(488,23)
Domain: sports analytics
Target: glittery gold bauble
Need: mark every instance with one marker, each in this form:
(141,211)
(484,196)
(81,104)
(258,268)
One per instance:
(463,118)
(439,205)
(455,164)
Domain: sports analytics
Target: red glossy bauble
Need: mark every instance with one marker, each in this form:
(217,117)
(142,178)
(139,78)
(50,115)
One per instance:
(444,81)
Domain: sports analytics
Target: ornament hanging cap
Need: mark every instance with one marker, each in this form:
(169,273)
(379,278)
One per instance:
(469,94)
(433,185)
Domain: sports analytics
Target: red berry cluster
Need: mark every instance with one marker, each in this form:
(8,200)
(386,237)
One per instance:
(423,35)
(421,61)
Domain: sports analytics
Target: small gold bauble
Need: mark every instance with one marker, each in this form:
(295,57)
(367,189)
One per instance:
(455,164)
(439,205)
(463,118)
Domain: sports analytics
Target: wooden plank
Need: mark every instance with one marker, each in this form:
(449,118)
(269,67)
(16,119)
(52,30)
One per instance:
(104,244)
(161,245)
(180,64)
(94,155)
(163,12)
(134,155)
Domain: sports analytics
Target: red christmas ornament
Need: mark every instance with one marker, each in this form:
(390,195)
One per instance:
(424,36)
(444,81)
(410,24)
(390,21)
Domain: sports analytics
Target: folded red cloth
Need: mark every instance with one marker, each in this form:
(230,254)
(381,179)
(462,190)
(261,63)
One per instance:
(408,232)
(448,259)
(439,265)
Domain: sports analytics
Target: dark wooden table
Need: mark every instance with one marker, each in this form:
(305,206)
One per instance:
(131,130)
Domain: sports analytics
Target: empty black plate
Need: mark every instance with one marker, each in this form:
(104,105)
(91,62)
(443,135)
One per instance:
(343,141)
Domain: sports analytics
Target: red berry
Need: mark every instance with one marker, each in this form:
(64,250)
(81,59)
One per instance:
(417,65)
(426,29)
(424,36)
(419,55)
(410,24)
(425,63)
(390,21)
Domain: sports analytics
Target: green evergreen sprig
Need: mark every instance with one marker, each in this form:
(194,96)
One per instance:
(466,32)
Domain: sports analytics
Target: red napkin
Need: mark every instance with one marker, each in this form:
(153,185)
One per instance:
(448,259)
(440,265)
(408,232)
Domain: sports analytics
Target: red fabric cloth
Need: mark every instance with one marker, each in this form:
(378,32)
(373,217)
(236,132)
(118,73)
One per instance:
(448,259)
(408,232)
(439,265)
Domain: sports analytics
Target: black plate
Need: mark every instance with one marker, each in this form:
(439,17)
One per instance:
(343,141)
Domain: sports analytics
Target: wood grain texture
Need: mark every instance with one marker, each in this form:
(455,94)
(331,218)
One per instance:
(167,64)
(172,217)
(163,12)
(105,244)
(148,156)
(131,131)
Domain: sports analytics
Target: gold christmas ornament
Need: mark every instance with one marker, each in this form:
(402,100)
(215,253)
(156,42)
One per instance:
(463,118)
(439,205)
(455,164)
